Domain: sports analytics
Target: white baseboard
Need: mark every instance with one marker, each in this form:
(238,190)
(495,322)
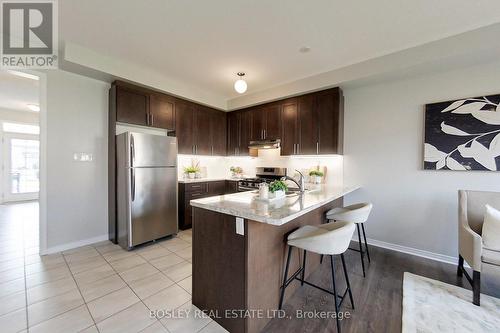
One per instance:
(412,251)
(72,245)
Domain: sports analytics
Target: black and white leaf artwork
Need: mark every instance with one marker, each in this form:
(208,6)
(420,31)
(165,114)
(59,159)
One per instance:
(463,135)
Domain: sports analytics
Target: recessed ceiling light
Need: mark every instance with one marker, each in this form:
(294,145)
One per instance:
(33,107)
(25,75)
(304,49)
(240,85)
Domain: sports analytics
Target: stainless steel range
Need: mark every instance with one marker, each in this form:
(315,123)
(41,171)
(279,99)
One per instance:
(262,175)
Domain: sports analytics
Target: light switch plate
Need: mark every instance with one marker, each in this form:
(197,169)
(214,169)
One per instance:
(240,226)
(83,157)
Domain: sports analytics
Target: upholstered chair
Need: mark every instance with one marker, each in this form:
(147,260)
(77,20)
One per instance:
(471,209)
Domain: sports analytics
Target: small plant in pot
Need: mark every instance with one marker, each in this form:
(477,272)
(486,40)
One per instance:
(278,189)
(236,172)
(191,171)
(316,176)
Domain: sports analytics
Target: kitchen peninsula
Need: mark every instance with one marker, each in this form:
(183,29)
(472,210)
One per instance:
(239,248)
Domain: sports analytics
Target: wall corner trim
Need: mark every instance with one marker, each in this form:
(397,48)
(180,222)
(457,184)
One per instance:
(72,245)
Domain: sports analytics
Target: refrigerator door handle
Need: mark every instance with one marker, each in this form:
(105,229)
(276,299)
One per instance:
(132,184)
(132,150)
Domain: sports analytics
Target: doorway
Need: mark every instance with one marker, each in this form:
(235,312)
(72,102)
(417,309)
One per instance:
(20,158)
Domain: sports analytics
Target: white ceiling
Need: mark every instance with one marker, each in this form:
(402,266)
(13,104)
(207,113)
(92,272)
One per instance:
(204,43)
(17,92)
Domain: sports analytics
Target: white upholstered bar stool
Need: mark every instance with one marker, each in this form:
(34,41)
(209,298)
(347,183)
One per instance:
(327,239)
(358,214)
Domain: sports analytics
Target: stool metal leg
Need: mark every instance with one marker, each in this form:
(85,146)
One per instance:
(366,244)
(347,280)
(321,259)
(303,268)
(335,294)
(361,250)
(283,287)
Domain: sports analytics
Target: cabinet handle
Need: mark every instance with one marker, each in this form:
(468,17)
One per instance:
(317,147)
(212,150)
(298,148)
(264,134)
(294,148)
(152,119)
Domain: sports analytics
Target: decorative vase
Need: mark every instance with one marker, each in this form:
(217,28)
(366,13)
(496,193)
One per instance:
(191,175)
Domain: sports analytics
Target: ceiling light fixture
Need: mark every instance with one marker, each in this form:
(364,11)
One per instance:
(240,86)
(33,107)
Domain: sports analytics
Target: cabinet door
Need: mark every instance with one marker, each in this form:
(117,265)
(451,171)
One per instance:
(308,126)
(272,114)
(162,111)
(327,104)
(184,118)
(233,133)
(258,124)
(202,131)
(216,188)
(231,186)
(245,132)
(219,133)
(132,106)
(289,121)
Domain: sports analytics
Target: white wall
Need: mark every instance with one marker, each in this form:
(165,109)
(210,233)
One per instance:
(77,109)
(383,153)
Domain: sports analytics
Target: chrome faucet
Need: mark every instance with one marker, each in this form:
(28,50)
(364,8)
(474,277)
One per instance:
(299,183)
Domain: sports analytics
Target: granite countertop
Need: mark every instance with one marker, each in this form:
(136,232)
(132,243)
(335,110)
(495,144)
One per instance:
(201,180)
(277,212)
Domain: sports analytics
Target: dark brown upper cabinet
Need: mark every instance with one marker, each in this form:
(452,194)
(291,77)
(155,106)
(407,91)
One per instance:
(184,119)
(200,130)
(218,132)
(239,128)
(162,111)
(290,137)
(132,106)
(310,124)
(266,122)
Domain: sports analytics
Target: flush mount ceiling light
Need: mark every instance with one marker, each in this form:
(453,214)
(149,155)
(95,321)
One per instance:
(33,107)
(240,86)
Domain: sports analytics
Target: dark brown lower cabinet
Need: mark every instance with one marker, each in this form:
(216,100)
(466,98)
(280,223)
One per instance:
(198,190)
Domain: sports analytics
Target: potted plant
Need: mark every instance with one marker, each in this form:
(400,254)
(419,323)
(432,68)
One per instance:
(278,189)
(191,171)
(236,172)
(316,176)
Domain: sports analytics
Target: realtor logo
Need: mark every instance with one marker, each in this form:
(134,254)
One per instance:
(29,34)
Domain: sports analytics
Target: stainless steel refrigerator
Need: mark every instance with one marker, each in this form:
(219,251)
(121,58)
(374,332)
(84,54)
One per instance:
(146,188)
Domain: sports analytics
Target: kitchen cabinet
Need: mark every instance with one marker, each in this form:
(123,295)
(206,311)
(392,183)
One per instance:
(132,106)
(238,132)
(266,122)
(231,186)
(200,130)
(198,190)
(313,124)
(290,137)
(218,131)
(184,119)
(162,111)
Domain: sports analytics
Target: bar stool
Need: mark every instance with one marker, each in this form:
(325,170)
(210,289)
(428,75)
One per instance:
(326,239)
(358,214)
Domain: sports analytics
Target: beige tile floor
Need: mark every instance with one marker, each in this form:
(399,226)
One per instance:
(95,288)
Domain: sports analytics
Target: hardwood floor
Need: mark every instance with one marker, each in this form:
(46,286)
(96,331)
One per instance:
(377,298)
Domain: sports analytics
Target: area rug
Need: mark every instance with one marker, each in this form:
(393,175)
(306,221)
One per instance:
(434,306)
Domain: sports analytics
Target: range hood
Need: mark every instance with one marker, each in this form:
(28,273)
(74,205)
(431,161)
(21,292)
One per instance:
(265,144)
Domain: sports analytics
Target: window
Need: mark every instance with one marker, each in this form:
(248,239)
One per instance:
(21,128)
